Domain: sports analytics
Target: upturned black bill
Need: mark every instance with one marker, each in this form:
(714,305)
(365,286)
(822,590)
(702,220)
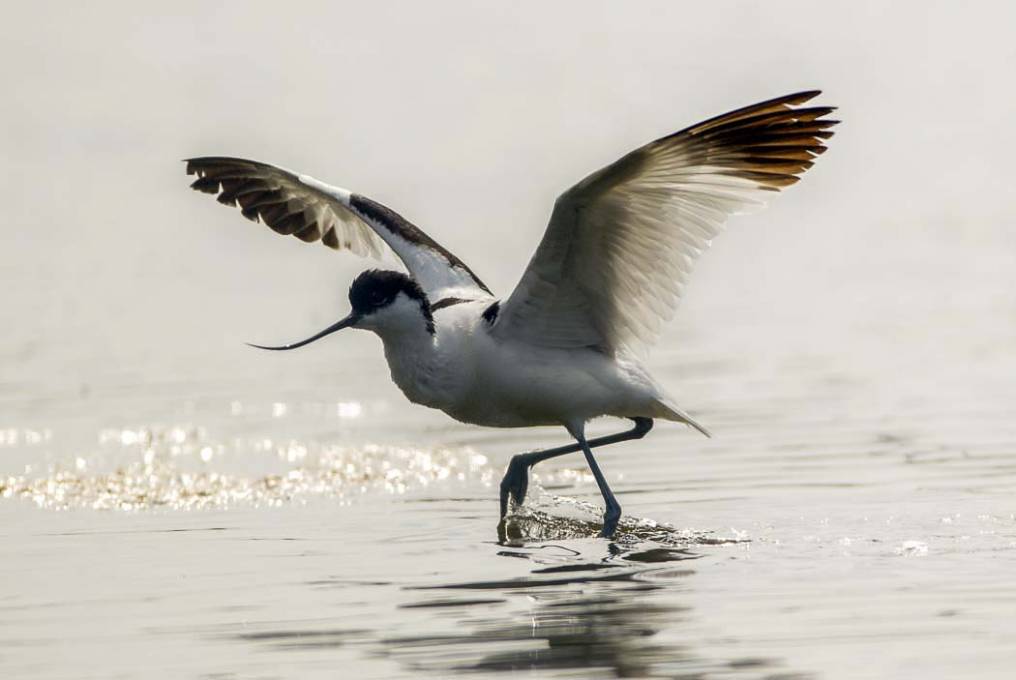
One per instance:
(345,323)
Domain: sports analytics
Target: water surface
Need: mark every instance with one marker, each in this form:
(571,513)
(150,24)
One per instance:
(175,504)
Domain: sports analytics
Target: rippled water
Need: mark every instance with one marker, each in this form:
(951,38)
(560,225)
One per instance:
(835,514)
(175,504)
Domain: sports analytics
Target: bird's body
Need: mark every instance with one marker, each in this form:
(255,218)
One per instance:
(564,346)
(476,378)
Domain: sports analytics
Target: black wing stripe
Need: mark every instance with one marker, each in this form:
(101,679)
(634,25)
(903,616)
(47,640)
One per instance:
(405,229)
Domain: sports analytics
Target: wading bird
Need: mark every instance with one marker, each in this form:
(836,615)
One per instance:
(564,347)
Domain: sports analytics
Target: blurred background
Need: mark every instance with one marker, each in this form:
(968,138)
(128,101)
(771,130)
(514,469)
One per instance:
(864,322)
(469,120)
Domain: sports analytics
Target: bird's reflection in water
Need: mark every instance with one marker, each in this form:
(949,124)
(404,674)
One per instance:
(586,606)
(608,628)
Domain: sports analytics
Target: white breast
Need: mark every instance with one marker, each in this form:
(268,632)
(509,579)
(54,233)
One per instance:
(436,370)
(482,380)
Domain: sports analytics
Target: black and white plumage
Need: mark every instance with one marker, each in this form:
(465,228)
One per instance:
(563,347)
(310,210)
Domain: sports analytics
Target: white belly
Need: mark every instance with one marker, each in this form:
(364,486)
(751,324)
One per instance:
(522,386)
(476,379)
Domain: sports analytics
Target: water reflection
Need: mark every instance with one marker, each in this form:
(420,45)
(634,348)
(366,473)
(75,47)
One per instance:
(588,606)
(553,600)
(565,629)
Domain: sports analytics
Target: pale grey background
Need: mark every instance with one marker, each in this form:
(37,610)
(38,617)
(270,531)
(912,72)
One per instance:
(469,118)
(852,346)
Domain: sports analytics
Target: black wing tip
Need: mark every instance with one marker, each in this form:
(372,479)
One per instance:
(792,99)
(199,163)
(218,159)
(804,95)
(205,185)
(770,109)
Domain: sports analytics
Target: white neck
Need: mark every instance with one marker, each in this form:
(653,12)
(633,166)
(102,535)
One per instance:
(415,364)
(411,350)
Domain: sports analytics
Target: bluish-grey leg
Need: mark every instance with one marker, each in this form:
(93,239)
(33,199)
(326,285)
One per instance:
(613,512)
(516,478)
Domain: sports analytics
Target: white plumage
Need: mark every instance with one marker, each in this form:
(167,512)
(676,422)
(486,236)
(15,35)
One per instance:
(564,347)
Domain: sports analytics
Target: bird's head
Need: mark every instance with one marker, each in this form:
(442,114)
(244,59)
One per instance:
(389,301)
(386,302)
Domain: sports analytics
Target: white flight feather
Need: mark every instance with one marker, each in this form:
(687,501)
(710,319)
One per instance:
(620,245)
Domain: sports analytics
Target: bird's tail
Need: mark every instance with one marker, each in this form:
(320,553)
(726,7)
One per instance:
(668,411)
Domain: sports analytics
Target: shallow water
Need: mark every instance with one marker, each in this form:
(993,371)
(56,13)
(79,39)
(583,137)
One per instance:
(833,515)
(174,504)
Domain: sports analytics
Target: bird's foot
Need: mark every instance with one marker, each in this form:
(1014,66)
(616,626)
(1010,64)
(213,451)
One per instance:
(515,483)
(610,519)
(510,532)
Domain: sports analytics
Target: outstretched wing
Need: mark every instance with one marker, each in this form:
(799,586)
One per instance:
(300,205)
(621,243)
